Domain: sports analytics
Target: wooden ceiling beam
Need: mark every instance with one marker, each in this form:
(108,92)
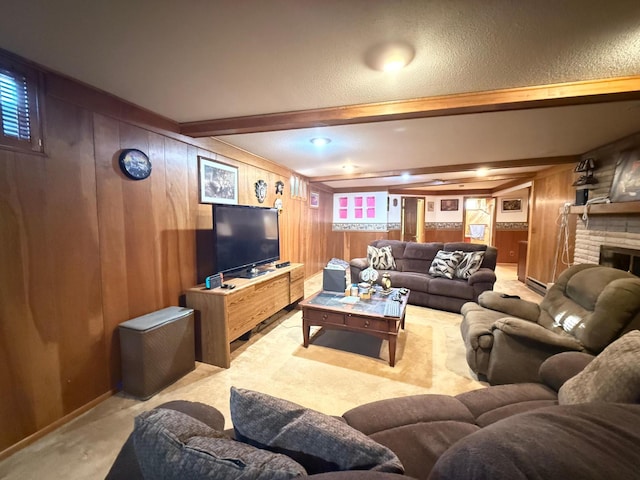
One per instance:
(465,167)
(554,95)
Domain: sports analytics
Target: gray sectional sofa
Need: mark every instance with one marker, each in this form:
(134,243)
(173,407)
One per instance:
(412,266)
(501,432)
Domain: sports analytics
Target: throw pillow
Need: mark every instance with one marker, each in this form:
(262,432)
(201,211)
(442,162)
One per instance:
(173,445)
(319,442)
(613,376)
(469,264)
(381,258)
(445,264)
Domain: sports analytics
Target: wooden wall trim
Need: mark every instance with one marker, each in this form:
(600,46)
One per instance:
(7,452)
(553,95)
(470,167)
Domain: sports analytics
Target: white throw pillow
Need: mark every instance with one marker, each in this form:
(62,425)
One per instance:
(381,258)
(445,264)
(469,264)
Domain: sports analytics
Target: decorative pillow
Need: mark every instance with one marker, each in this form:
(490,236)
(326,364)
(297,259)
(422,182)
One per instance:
(445,264)
(172,445)
(613,376)
(321,443)
(469,264)
(381,258)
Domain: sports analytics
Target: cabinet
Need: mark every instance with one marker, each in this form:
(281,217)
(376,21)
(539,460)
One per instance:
(223,315)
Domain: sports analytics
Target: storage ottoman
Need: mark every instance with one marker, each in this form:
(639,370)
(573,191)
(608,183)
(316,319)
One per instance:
(156,350)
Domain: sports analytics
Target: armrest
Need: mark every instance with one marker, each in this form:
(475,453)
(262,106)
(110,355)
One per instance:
(484,275)
(360,263)
(532,331)
(560,367)
(207,414)
(514,307)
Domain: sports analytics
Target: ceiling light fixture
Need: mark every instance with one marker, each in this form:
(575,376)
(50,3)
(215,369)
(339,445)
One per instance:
(482,172)
(390,57)
(320,141)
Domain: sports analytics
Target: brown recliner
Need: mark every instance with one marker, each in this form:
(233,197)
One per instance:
(507,339)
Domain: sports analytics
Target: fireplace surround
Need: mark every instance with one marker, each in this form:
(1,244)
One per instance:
(626,259)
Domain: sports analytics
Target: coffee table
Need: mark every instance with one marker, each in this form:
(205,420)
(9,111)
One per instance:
(330,310)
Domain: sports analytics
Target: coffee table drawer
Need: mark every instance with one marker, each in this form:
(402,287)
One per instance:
(324,317)
(368,323)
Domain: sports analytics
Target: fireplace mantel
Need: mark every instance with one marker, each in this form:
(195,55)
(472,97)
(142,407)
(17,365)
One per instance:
(620,208)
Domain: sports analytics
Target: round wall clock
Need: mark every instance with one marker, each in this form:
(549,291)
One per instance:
(135,164)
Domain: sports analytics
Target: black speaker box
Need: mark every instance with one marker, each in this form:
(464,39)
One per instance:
(582,196)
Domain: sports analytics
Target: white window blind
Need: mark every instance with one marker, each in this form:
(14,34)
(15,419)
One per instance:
(14,105)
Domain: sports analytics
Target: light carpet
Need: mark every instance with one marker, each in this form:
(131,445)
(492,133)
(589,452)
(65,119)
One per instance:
(370,355)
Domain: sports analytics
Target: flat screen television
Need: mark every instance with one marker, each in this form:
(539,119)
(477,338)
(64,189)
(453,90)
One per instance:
(244,238)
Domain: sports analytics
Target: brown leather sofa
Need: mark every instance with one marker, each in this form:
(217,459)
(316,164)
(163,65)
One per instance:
(589,306)
(500,432)
(412,266)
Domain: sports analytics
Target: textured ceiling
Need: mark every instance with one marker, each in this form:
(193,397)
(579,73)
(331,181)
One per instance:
(199,60)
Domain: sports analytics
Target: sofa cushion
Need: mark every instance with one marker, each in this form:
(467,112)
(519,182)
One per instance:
(454,288)
(613,376)
(445,264)
(381,258)
(173,445)
(469,264)
(592,441)
(319,442)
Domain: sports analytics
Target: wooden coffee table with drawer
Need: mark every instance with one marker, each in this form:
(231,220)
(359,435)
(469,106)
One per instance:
(330,310)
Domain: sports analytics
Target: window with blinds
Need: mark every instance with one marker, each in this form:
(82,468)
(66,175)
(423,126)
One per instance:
(19,122)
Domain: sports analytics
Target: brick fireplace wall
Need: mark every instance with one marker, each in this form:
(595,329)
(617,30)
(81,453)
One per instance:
(613,230)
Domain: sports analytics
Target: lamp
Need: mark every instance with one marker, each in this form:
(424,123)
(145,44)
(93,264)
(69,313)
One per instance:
(390,56)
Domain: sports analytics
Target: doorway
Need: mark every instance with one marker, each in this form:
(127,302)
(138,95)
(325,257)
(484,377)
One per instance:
(478,217)
(412,219)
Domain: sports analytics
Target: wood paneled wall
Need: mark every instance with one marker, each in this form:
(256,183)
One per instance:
(550,190)
(507,243)
(354,244)
(83,248)
(444,236)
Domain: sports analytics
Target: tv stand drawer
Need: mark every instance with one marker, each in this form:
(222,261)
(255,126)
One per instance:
(225,314)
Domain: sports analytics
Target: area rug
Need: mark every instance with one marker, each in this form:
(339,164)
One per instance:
(368,354)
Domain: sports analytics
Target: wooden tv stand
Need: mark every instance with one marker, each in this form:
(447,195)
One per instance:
(223,315)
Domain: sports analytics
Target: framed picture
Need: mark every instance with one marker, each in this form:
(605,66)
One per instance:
(626,179)
(218,182)
(431,206)
(511,205)
(314,199)
(449,205)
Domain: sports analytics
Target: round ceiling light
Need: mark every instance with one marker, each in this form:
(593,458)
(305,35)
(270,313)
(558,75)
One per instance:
(320,141)
(390,57)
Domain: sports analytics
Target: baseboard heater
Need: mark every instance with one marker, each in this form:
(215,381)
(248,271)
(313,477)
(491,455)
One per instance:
(536,285)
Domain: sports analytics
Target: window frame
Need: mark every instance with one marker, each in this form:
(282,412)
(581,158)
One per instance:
(32,76)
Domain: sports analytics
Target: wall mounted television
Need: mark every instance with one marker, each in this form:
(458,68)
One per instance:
(244,238)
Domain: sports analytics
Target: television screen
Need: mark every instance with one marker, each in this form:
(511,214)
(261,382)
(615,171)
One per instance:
(245,237)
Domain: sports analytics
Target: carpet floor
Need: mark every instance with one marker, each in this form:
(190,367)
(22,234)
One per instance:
(336,373)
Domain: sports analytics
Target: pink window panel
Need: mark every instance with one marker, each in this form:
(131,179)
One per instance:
(371,213)
(358,201)
(343,202)
(343,213)
(371,201)
(358,213)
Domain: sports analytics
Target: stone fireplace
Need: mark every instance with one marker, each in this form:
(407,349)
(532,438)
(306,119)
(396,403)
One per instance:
(626,259)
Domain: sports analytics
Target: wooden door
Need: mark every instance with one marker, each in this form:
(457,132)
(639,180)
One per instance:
(412,226)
